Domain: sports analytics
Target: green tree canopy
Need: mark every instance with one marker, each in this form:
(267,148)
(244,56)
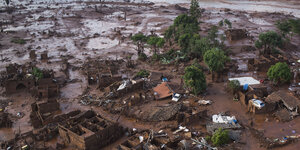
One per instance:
(220,137)
(295,25)
(156,42)
(38,73)
(279,73)
(234,85)
(269,41)
(195,9)
(284,27)
(139,39)
(194,79)
(215,59)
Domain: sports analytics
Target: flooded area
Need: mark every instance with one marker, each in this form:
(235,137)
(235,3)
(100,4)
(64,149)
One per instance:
(74,40)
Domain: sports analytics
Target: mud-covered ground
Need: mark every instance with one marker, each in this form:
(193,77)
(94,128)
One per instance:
(78,31)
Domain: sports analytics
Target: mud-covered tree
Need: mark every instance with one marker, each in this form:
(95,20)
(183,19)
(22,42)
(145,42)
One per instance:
(212,35)
(269,41)
(234,86)
(195,9)
(7,2)
(284,27)
(156,43)
(139,40)
(194,79)
(228,23)
(215,59)
(295,25)
(220,137)
(279,73)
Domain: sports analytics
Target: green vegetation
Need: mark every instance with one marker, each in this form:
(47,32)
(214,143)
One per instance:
(37,73)
(143,73)
(291,26)
(195,9)
(220,137)
(18,41)
(227,23)
(156,43)
(279,73)
(139,39)
(234,85)
(194,79)
(269,41)
(215,59)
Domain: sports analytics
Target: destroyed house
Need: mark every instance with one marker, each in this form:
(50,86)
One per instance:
(46,88)
(162,91)
(87,131)
(288,99)
(236,34)
(264,62)
(42,112)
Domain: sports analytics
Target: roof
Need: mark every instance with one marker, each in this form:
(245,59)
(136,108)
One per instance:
(288,99)
(162,91)
(246,80)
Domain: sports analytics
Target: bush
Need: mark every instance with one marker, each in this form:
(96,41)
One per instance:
(37,73)
(234,85)
(279,73)
(143,73)
(142,57)
(220,137)
(18,41)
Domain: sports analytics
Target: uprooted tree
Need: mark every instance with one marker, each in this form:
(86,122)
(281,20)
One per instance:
(215,59)
(279,73)
(194,79)
(269,41)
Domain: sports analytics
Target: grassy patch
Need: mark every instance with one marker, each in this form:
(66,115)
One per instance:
(18,41)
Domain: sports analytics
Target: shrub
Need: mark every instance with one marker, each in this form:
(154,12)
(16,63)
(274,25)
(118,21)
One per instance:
(220,137)
(143,73)
(18,41)
(37,73)
(234,85)
(142,57)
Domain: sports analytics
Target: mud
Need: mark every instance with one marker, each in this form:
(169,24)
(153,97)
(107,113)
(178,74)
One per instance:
(75,32)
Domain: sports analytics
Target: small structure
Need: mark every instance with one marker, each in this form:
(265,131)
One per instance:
(246,80)
(162,91)
(42,112)
(291,102)
(236,34)
(88,131)
(264,62)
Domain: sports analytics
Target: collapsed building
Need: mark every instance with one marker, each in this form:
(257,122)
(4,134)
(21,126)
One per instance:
(20,77)
(264,62)
(88,131)
(236,34)
(286,104)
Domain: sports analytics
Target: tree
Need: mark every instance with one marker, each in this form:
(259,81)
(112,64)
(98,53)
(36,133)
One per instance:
(194,79)
(200,46)
(234,85)
(195,9)
(269,41)
(7,2)
(212,35)
(295,25)
(220,137)
(228,23)
(284,27)
(279,73)
(156,42)
(139,39)
(215,59)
